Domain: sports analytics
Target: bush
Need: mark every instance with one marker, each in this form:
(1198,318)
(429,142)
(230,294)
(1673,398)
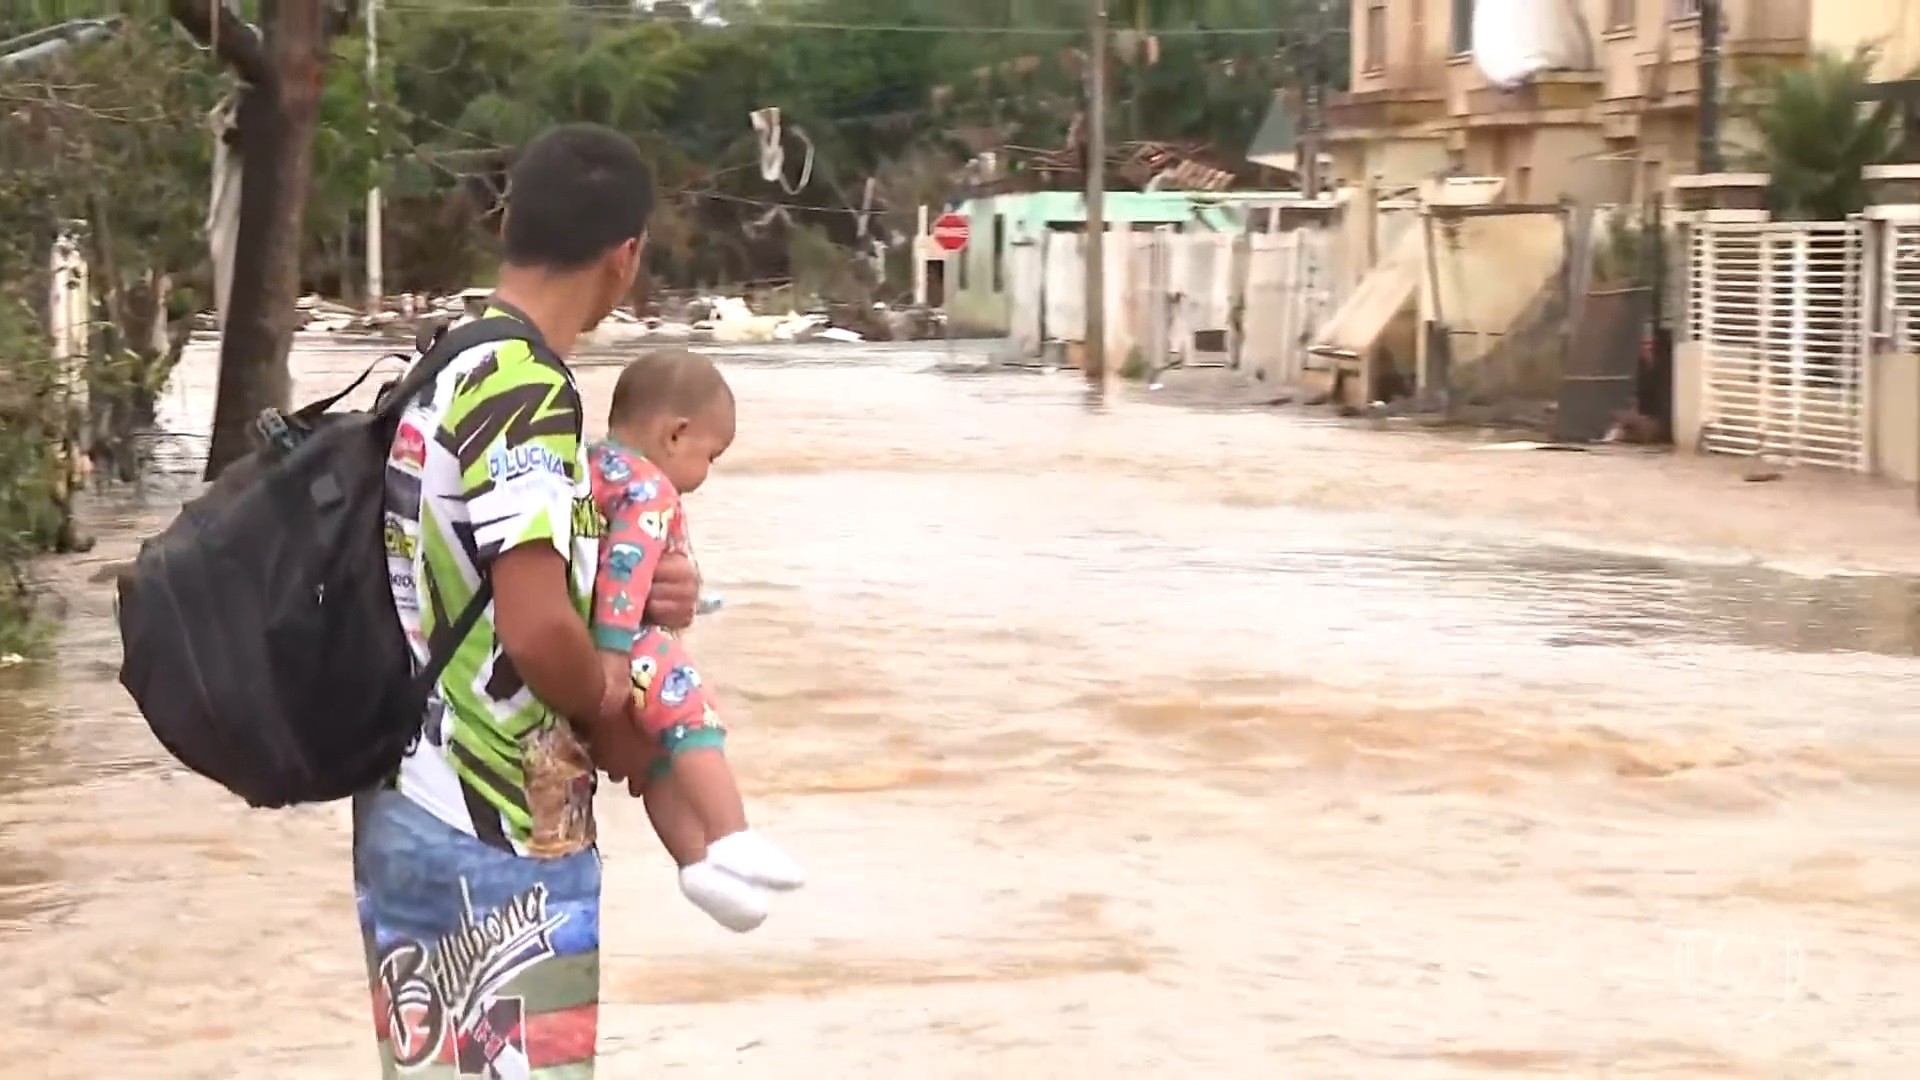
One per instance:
(32,504)
(1817,136)
(108,133)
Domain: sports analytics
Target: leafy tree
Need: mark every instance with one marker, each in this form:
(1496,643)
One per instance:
(108,133)
(881,88)
(1816,138)
(901,91)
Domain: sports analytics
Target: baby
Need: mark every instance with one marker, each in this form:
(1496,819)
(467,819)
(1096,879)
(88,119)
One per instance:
(672,417)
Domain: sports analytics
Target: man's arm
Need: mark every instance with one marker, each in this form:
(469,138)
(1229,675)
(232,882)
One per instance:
(542,633)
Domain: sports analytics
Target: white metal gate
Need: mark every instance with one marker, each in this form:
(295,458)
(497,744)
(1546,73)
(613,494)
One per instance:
(1157,314)
(1900,285)
(1779,310)
(1024,277)
(1064,298)
(1200,270)
(1289,293)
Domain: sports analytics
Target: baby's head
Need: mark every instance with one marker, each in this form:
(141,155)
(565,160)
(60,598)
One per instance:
(676,408)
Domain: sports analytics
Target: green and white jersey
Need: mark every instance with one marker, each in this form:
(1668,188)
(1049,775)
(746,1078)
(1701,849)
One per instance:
(488,458)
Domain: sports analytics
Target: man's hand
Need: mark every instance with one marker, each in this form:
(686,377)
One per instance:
(623,752)
(675,592)
(616,701)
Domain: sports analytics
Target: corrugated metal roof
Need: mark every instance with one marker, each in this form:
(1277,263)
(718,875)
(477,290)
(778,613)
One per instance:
(1279,132)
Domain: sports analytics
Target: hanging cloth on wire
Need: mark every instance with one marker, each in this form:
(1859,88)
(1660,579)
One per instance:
(773,153)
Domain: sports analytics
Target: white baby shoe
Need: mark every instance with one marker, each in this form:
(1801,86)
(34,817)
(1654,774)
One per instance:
(731,900)
(753,858)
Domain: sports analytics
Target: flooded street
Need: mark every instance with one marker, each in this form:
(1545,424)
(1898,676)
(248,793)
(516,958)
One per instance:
(1149,741)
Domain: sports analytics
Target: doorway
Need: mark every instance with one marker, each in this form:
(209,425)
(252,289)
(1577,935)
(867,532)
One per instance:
(937,283)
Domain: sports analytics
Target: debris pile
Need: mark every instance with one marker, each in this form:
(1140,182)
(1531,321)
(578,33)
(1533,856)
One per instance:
(720,320)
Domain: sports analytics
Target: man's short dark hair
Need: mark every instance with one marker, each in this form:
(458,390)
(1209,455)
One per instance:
(577,192)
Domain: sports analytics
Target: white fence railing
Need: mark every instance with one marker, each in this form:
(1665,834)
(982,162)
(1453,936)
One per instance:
(1780,312)
(1900,284)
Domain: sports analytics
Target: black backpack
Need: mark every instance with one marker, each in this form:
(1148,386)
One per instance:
(259,633)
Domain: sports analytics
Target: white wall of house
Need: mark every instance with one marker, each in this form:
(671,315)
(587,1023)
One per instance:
(69,307)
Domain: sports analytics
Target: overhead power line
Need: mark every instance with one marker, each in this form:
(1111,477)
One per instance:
(627,14)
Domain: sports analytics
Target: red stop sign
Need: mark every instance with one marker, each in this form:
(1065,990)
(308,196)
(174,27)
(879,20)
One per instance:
(951,231)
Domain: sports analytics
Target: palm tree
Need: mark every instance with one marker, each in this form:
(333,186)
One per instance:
(1816,136)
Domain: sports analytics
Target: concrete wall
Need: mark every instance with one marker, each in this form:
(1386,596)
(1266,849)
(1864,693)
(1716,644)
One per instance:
(1574,162)
(1894,25)
(1492,274)
(1894,422)
(1420,32)
(1415,52)
(976,303)
(1689,405)
(1548,162)
(1609,135)
(1396,163)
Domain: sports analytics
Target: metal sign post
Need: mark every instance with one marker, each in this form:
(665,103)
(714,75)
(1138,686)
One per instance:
(951,232)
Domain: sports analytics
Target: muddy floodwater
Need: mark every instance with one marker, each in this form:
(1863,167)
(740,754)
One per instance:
(1150,741)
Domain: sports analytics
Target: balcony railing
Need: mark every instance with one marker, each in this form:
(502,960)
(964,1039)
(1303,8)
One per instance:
(1743,22)
(1386,107)
(1545,91)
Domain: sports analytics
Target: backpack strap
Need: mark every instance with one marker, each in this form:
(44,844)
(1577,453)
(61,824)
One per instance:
(450,345)
(328,402)
(436,352)
(463,624)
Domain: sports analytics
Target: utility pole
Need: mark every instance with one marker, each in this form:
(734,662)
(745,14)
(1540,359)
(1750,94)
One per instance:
(1710,86)
(1138,77)
(1094,359)
(281,67)
(1315,120)
(376,225)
